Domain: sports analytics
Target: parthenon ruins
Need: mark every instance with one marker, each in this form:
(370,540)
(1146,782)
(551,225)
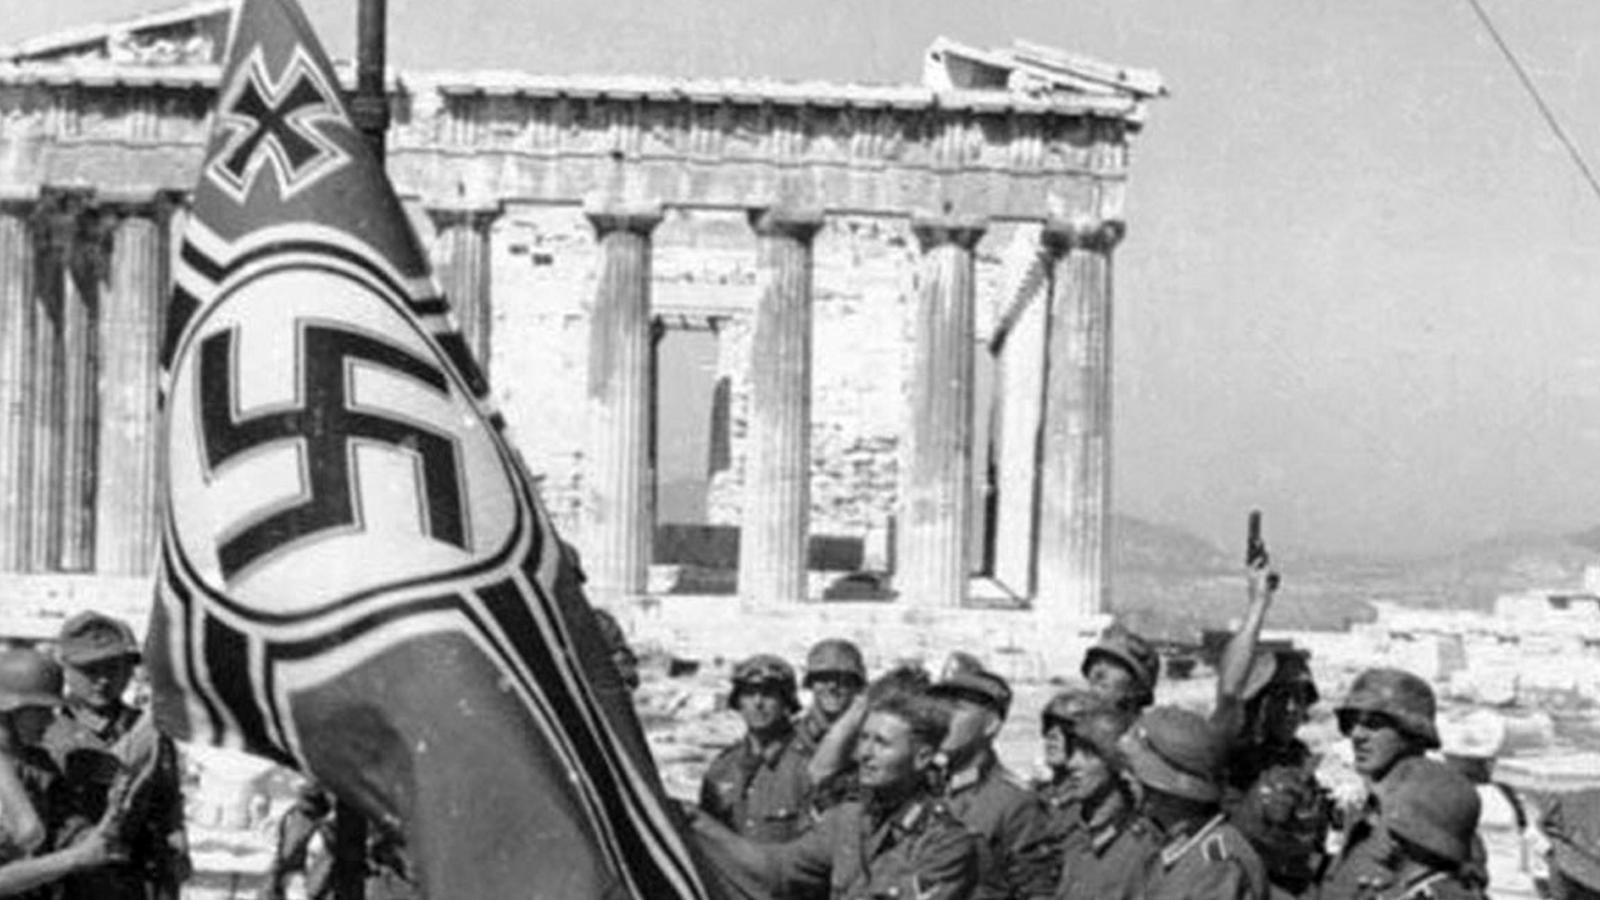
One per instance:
(984,204)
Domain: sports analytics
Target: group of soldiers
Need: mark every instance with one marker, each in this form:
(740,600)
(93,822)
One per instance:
(91,800)
(892,787)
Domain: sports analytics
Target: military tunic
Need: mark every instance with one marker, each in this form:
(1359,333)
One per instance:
(1108,857)
(1017,859)
(1274,799)
(1061,809)
(920,852)
(88,748)
(1215,862)
(762,793)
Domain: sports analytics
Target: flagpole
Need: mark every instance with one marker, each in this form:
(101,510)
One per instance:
(370,105)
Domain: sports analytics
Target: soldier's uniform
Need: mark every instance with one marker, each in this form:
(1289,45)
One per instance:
(1061,810)
(1213,863)
(1109,857)
(90,747)
(918,853)
(1431,807)
(1359,870)
(761,793)
(1270,790)
(761,789)
(1017,854)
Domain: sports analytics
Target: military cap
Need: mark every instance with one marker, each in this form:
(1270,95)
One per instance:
(964,677)
(1177,752)
(834,656)
(90,637)
(1402,696)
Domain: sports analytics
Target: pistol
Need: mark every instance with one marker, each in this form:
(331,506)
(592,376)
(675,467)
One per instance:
(1255,549)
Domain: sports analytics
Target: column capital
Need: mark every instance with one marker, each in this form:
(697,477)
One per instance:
(450,213)
(607,215)
(60,210)
(934,231)
(18,198)
(150,203)
(785,221)
(1083,233)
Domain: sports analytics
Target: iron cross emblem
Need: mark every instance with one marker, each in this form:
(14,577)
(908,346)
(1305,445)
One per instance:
(277,124)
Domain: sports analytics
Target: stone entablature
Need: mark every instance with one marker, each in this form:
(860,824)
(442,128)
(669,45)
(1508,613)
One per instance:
(707,145)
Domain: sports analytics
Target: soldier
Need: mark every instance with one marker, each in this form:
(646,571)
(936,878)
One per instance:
(759,786)
(30,806)
(1388,717)
(91,741)
(1571,823)
(898,840)
(1176,758)
(835,676)
(1017,857)
(1271,793)
(1123,666)
(1430,814)
(1106,849)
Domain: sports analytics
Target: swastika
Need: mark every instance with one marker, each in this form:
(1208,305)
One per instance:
(324,429)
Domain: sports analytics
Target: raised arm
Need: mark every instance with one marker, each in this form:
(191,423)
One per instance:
(1261,586)
(834,750)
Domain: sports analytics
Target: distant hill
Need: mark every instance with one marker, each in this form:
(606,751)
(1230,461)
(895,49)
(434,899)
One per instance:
(1144,546)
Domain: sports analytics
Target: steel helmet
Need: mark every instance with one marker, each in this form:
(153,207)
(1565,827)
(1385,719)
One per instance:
(1431,805)
(28,678)
(1177,752)
(1088,717)
(765,669)
(1132,652)
(1288,667)
(834,656)
(1400,695)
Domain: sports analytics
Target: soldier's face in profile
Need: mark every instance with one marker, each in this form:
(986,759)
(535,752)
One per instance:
(1055,748)
(1088,773)
(971,722)
(834,692)
(888,753)
(1375,739)
(762,707)
(1111,679)
(99,683)
(1283,711)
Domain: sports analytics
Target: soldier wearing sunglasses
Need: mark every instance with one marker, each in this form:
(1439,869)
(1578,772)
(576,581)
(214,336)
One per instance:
(1388,717)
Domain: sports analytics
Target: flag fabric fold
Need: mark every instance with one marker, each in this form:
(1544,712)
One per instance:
(356,577)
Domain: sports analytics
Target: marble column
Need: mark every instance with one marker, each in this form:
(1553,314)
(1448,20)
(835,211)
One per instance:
(1074,491)
(461,259)
(127,519)
(17,252)
(47,423)
(80,329)
(618,508)
(935,514)
(777,449)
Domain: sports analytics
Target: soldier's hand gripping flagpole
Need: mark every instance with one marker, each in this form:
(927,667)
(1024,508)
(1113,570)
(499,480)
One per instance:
(356,576)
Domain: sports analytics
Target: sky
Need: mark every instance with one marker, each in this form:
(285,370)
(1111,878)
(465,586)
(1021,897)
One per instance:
(1359,287)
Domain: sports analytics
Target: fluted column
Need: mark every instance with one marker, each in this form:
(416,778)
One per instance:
(461,259)
(86,270)
(128,493)
(936,477)
(618,504)
(17,252)
(777,451)
(1074,501)
(47,424)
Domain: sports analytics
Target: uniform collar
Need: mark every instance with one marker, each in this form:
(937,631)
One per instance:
(101,725)
(971,774)
(773,750)
(1109,820)
(1181,844)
